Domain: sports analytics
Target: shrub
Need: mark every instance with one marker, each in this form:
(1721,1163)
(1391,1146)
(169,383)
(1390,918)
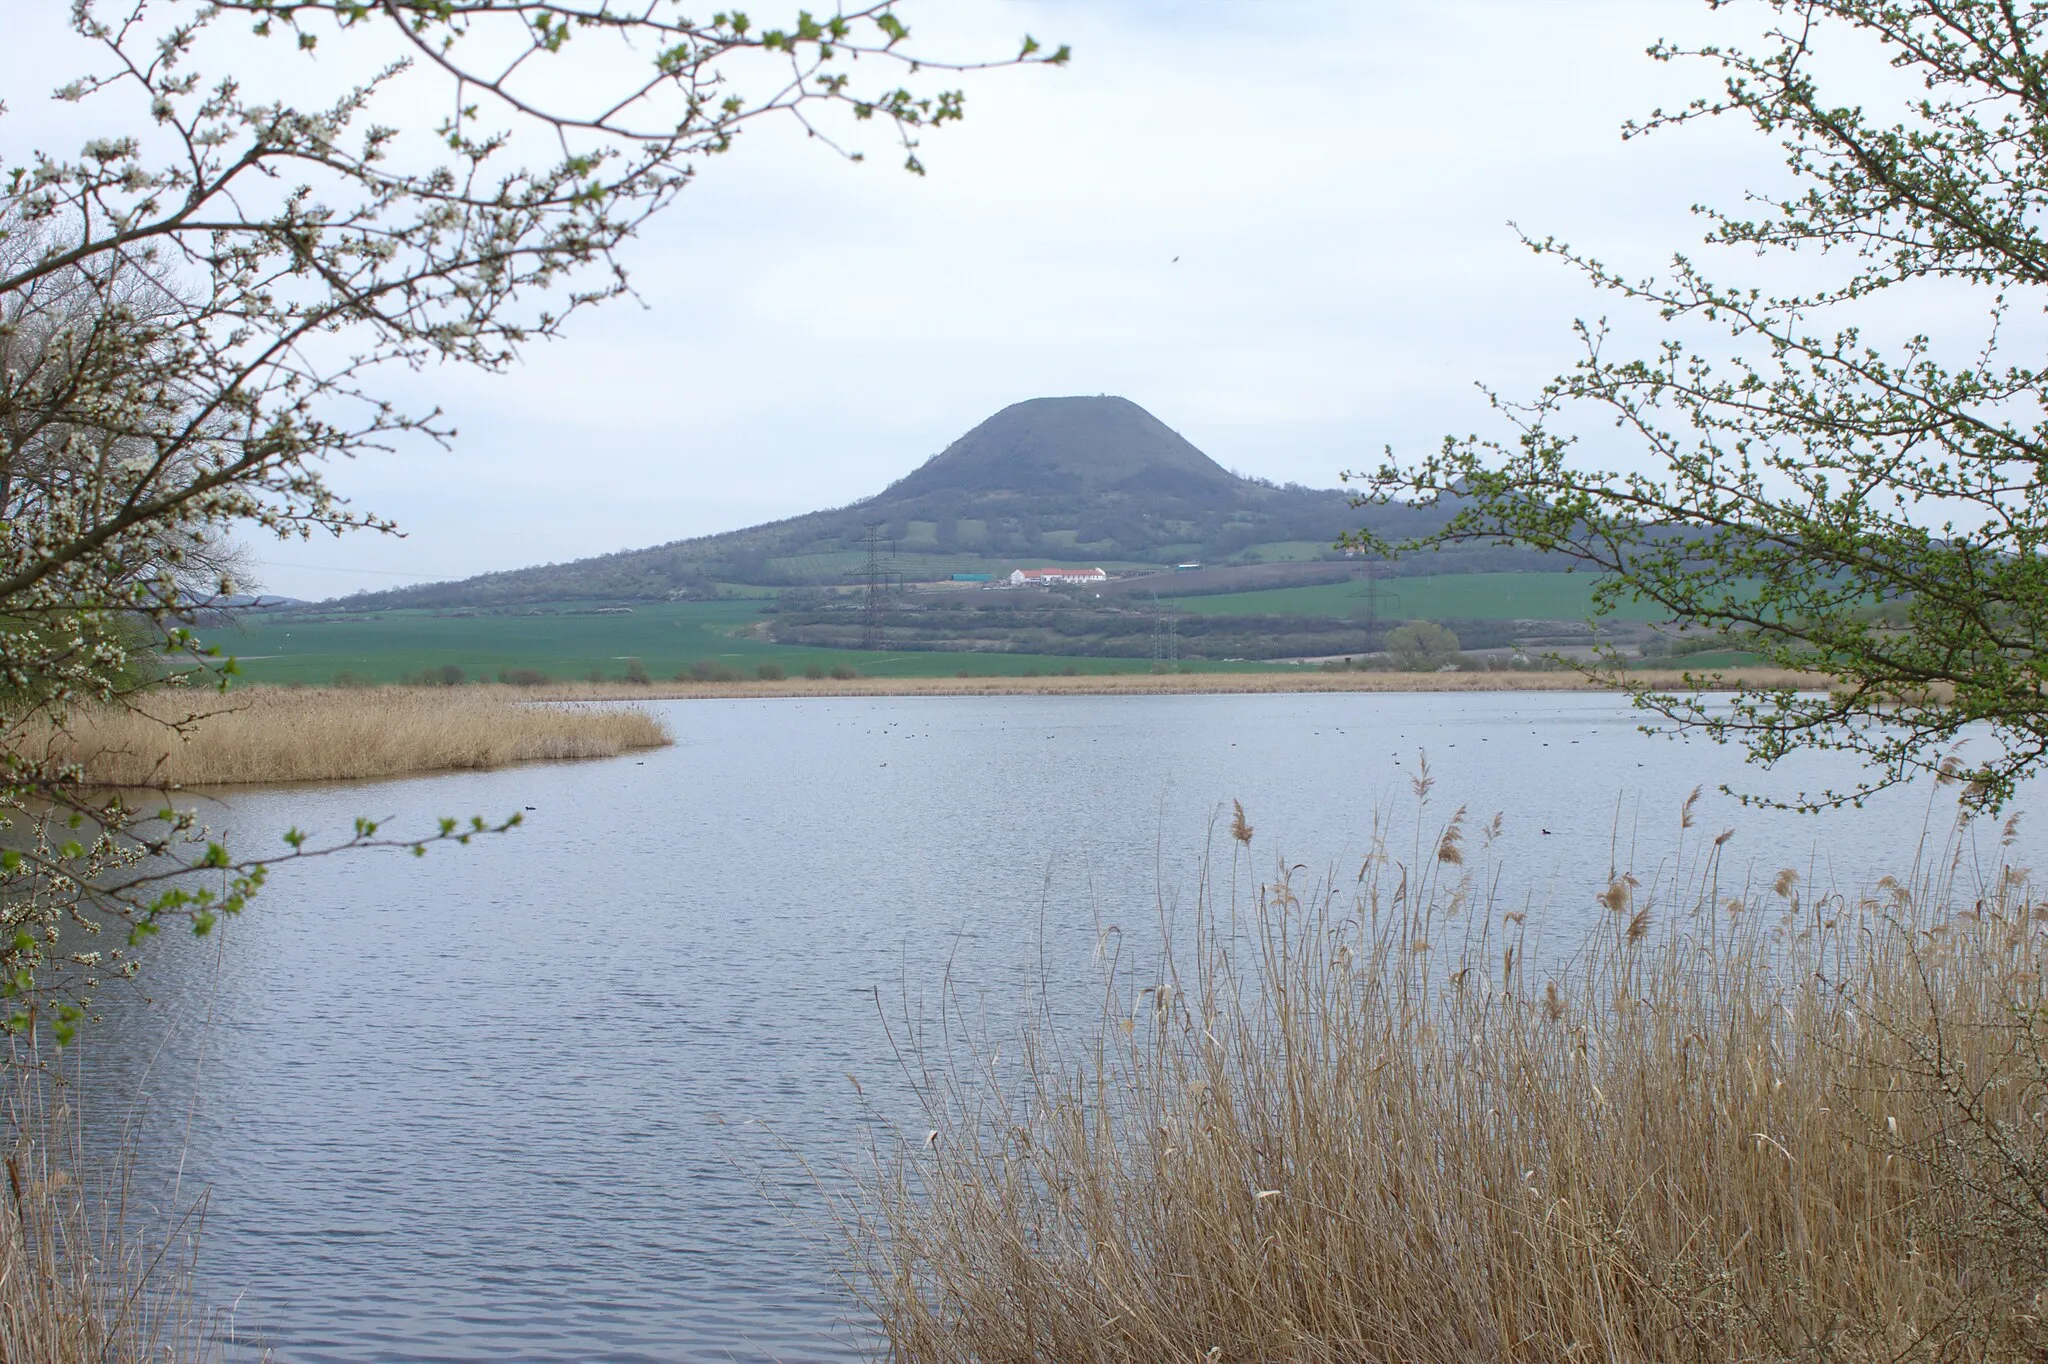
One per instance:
(523,677)
(1701,642)
(842,673)
(636,672)
(813,671)
(769,672)
(447,675)
(1422,646)
(345,678)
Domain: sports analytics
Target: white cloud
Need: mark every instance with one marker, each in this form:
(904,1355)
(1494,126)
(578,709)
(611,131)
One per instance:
(1335,180)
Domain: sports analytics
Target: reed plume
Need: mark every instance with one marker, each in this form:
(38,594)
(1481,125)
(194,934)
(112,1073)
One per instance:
(1809,1130)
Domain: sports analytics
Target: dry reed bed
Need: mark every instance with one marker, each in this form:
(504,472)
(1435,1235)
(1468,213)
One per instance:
(265,734)
(89,1273)
(1350,1122)
(1148,684)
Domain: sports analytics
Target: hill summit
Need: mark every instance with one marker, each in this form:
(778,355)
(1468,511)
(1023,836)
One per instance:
(1068,446)
(1089,480)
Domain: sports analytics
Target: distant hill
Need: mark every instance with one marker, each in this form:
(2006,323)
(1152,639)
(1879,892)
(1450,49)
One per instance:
(1060,480)
(1057,450)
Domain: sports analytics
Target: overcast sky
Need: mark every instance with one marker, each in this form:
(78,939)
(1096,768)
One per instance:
(1336,182)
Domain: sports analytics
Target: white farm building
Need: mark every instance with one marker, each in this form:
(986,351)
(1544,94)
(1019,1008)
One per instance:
(1033,577)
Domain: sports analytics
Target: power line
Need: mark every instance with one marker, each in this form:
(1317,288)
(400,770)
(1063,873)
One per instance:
(1372,608)
(874,574)
(1165,635)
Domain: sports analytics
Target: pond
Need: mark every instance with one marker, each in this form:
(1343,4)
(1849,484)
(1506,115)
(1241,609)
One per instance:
(551,1096)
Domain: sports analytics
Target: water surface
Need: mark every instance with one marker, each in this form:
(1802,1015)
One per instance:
(540,1097)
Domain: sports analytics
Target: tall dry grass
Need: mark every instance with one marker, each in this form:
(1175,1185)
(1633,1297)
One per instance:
(267,734)
(1352,1121)
(87,1275)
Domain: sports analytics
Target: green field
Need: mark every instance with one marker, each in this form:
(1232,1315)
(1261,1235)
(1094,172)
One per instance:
(1454,596)
(570,640)
(666,637)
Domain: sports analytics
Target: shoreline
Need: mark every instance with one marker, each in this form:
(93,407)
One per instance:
(265,735)
(1148,684)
